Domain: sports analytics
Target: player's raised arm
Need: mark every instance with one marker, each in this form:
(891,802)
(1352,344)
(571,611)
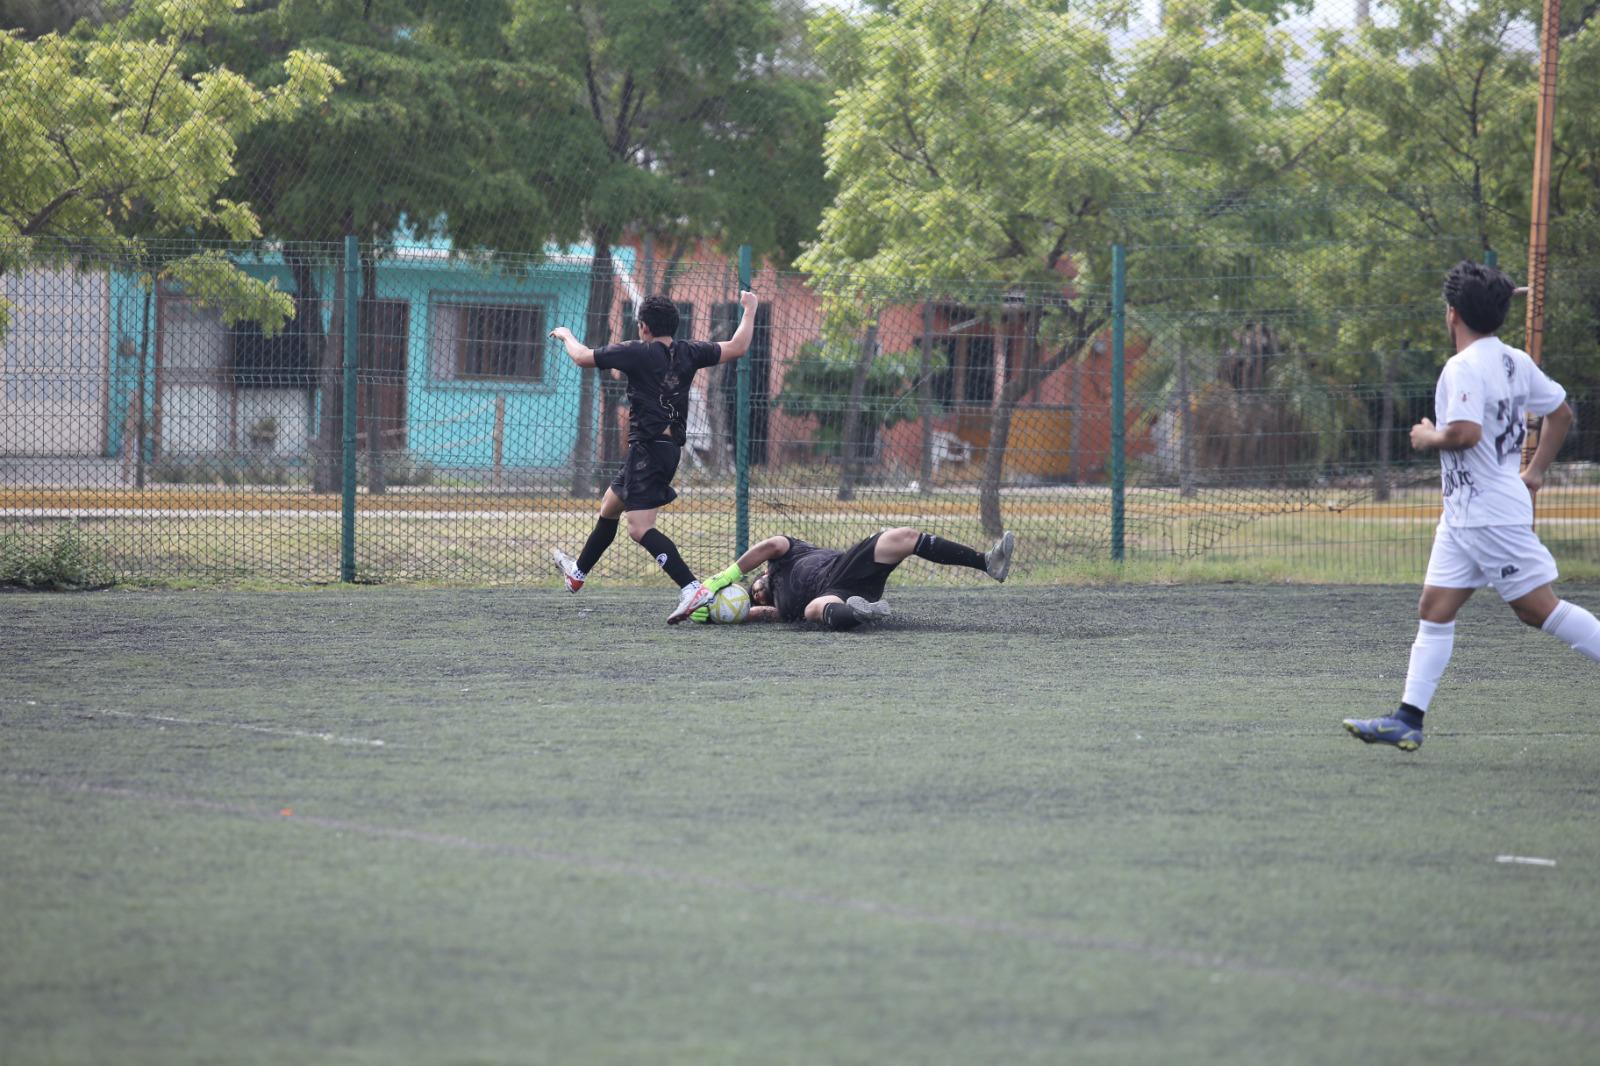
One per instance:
(577,351)
(739,343)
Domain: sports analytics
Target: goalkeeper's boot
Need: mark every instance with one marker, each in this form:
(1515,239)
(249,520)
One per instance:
(569,569)
(997,560)
(1390,729)
(867,610)
(692,598)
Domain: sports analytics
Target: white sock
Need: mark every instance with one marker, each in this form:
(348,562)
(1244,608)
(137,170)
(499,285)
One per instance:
(1576,626)
(1430,653)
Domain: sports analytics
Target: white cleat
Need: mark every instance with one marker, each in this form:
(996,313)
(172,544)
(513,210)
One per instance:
(997,560)
(693,597)
(867,610)
(569,569)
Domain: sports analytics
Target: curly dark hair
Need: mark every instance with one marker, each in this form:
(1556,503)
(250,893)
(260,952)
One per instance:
(660,314)
(1480,294)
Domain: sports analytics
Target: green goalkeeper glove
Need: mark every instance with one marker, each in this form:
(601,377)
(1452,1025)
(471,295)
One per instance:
(721,581)
(700,614)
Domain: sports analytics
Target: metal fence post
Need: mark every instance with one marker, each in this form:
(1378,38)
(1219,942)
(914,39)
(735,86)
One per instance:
(347,529)
(1119,314)
(741,446)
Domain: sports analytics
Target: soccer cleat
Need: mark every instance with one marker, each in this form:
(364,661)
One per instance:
(569,569)
(694,596)
(997,560)
(1385,730)
(867,610)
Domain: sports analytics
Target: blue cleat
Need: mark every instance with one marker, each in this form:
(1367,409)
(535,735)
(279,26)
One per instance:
(1386,730)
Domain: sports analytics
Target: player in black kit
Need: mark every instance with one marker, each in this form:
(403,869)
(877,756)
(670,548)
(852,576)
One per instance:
(659,369)
(842,589)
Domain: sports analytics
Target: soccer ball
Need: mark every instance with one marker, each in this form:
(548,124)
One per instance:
(730,605)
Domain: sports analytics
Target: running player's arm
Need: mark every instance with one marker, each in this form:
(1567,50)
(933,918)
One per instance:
(580,353)
(1463,393)
(1455,437)
(1551,435)
(739,343)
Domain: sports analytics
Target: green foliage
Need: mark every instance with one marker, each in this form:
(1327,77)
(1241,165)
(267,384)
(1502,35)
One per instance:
(66,562)
(690,120)
(438,125)
(112,135)
(817,384)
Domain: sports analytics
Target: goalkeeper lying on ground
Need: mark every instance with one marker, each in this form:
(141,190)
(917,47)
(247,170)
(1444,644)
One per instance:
(842,589)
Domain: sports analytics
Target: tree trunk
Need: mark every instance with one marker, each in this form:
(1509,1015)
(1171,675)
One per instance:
(308,315)
(853,419)
(1380,479)
(1005,403)
(925,400)
(597,334)
(373,372)
(1074,426)
(329,469)
(1185,427)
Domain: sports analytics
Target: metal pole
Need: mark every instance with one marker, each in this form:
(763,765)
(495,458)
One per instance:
(741,446)
(347,529)
(1119,277)
(1539,203)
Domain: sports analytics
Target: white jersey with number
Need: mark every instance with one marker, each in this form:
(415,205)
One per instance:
(1496,386)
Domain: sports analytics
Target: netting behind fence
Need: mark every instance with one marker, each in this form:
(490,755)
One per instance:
(478,445)
(930,193)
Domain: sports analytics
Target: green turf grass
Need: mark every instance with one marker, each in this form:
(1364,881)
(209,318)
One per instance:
(1014,824)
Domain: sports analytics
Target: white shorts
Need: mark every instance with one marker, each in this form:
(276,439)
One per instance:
(1510,559)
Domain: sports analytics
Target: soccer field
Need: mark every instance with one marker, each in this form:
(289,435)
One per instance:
(380,825)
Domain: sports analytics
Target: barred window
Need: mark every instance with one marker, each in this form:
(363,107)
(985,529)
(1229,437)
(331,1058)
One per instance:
(476,340)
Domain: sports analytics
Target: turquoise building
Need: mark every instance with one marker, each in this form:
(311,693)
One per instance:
(457,368)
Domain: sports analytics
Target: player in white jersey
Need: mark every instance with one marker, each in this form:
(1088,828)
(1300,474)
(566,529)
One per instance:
(1485,535)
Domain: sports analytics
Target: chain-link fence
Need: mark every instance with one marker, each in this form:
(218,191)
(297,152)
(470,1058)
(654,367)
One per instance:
(1137,283)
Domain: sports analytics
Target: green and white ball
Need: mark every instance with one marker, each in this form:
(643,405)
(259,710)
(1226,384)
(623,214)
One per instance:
(731,605)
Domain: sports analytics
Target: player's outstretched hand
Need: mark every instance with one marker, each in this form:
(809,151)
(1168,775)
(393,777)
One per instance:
(717,582)
(748,300)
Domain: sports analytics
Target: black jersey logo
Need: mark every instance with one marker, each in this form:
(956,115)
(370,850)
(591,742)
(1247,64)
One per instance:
(1508,441)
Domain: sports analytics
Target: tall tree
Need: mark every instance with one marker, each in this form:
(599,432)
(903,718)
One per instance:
(990,141)
(700,121)
(114,135)
(439,127)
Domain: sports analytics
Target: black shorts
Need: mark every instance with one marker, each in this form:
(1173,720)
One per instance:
(645,480)
(857,573)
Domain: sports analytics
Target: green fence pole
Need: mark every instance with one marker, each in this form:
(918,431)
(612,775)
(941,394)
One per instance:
(741,446)
(347,529)
(1491,257)
(1119,316)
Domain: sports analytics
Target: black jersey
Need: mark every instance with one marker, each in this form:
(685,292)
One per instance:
(806,571)
(659,376)
(799,576)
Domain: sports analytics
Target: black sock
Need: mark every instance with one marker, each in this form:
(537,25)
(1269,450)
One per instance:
(600,538)
(1411,716)
(839,616)
(666,554)
(948,553)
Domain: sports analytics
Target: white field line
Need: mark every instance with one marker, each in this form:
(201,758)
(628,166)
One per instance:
(1524,860)
(629,870)
(302,734)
